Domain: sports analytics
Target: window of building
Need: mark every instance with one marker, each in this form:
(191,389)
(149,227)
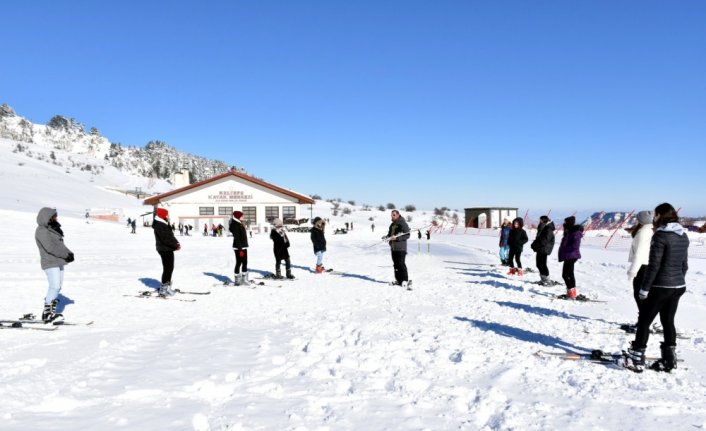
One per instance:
(250,215)
(271,213)
(205,211)
(225,211)
(289,213)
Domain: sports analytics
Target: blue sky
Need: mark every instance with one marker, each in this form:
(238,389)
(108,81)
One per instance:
(559,105)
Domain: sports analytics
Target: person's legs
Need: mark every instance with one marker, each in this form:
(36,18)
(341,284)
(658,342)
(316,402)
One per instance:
(55,277)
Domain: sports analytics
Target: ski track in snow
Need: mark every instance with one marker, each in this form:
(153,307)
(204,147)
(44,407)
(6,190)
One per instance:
(331,351)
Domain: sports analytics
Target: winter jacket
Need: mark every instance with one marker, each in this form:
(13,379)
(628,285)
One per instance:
(399,227)
(50,241)
(569,249)
(240,235)
(164,236)
(318,239)
(668,258)
(504,235)
(280,243)
(517,239)
(640,250)
(544,242)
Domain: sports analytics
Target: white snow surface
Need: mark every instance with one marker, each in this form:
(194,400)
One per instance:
(326,351)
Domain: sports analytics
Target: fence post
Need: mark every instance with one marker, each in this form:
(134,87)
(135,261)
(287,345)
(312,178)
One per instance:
(619,226)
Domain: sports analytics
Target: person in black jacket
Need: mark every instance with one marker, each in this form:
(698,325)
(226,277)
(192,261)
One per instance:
(280,242)
(662,286)
(543,245)
(516,240)
(166,245)
(240,247)
(397,235)
(319,241)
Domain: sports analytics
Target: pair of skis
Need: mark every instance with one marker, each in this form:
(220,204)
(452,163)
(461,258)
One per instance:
(628,329)
(30,321)
(595,356)
(152,294)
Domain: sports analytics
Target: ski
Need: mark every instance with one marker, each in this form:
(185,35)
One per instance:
(19,325)
(166,298)
(579,298)
(251,284)
(596,356)
(32,319)
(187,292)
(549,284)
(620,331)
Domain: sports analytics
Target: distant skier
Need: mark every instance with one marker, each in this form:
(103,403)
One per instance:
(505,229)
(54,255)
(319,241)
(569,253)
(515,242)
(543,245)
(372,227)
(134,225)
(166,245)
(639,257)
(661,289)
(240,248)
(419,234)
(280,241)
(397,235)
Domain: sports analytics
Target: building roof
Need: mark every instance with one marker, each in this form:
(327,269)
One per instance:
(154,200)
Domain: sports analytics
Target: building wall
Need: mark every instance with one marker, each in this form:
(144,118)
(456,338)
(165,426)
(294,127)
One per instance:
(486,218)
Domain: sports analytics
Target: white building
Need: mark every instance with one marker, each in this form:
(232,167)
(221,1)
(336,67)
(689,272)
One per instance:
(488,217)
(213,201)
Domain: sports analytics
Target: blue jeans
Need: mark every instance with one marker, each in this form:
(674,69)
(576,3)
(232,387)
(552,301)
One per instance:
(55,276)
(319,258)
(504,252)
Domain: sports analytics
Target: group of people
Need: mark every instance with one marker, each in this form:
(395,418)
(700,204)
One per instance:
(658,263)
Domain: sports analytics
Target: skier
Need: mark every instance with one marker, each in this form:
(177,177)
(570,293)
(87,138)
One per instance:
(280,241)
(240,247)
(397,236)
(54,255)
(505,229)
(166,245)
(319,241)
(663,285)
(543,245)
(569,253)
(372,227)
(516,239)
(133,224)
(639,257)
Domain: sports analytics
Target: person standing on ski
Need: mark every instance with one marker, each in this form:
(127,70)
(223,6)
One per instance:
(505,229)
(569,253)
(280,242)
(319,241)
(397,236)
(543,245)
(639,257)
(516,240)
(663,286)
(54,255)
(240,247)
(166,244)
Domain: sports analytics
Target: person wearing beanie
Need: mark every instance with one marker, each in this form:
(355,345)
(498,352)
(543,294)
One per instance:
(166,244)
(543,245)
(663,285)
(638,257)
(569,253)
(54,255)
(397,235)
(280,241)
(240,247)
(516,241)
(319,241)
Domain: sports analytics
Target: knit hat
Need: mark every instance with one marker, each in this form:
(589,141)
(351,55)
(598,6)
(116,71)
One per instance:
(570,221)
(645,217)
(237,214)
(162,213)
(277,222)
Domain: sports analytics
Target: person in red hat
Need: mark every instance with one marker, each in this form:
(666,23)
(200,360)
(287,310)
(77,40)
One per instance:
(240,247)
(166,244)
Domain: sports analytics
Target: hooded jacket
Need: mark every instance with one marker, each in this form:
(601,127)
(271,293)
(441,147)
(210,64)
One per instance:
(544,242)
(640,249)
(53,252)
(570,247)
(164,236)
(399,227)
(668,258)
(517,237)
(317,235)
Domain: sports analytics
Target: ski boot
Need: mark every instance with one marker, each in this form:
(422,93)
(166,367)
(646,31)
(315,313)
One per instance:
(668,362)
(165,289)
(237,280)
(571,293)
(289,274)
(244,279)
(278,274)
(519,272)
(319,269)
(634,359)
(512,271)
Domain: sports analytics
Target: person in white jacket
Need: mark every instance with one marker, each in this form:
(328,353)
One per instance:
(639,257)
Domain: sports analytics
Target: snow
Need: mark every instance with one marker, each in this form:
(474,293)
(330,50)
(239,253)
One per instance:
(323,352)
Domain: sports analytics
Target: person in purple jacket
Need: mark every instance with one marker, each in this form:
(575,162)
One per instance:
(569,253)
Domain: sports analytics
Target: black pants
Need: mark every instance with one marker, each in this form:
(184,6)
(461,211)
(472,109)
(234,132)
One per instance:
(542,264)
(398,258)
(662,301)
(514,254)
(241,261)
(287,263)
(567,273)
(636,283)
(167,265)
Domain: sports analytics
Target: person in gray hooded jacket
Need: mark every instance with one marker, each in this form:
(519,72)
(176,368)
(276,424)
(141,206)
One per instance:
(54,255)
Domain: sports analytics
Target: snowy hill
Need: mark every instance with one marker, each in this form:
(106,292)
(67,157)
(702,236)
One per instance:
(341,351)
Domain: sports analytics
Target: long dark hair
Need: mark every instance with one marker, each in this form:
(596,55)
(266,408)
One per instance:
(635,229)
(667,214)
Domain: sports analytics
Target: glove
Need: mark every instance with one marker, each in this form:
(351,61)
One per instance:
(178,247)
(70,258)
(241,253)
(643,294)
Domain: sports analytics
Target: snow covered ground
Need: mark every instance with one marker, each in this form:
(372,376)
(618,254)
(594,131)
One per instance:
(323,352)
